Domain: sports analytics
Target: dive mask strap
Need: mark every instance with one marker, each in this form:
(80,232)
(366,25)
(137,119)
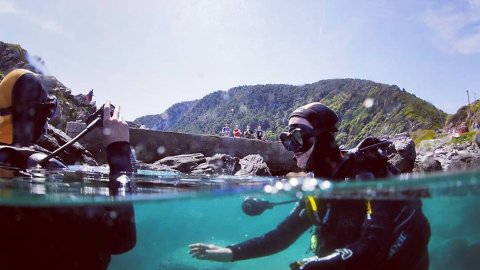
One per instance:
(6,111)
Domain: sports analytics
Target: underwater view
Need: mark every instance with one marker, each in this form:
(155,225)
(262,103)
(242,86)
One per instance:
(174,211)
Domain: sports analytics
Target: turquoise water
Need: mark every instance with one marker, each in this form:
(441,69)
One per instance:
(173,211)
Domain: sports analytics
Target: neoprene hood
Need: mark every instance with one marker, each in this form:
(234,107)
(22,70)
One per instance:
(319,115)
(325,153)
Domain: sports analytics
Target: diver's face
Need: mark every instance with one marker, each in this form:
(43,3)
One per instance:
(301,157)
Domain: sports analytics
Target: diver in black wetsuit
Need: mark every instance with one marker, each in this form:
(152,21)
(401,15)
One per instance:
(349,234)
(64,237)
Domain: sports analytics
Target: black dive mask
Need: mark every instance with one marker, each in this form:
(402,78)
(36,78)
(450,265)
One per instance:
(47,108)
(44,110)
(299,138)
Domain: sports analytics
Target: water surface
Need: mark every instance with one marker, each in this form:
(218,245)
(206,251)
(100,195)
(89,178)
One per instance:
(173,211)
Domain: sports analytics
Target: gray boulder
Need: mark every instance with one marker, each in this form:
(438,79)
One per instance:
(430,164)
(183,163)
(253,165)
(154,167)
(402,153)
(199,164)
(476,139)
(223,164)
(218,164)
(74,154)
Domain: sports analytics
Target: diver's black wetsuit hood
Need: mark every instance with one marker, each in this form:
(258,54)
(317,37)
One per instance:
(324,157)
(325,152)
(22,120)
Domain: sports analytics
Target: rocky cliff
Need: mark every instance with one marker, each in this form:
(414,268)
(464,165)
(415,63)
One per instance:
(71,108)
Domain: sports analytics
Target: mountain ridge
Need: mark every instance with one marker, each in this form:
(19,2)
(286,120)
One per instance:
(392,111)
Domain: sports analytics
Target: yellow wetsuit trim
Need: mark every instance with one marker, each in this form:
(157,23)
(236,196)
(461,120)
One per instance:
(312,202)
(369,208)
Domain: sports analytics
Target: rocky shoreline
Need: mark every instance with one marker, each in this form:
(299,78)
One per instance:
(430,156)
(440,155)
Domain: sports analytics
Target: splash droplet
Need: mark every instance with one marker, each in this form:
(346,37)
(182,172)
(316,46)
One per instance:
(107,131)
(161,150)
(368,102)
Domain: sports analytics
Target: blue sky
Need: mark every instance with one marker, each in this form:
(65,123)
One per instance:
(148,55)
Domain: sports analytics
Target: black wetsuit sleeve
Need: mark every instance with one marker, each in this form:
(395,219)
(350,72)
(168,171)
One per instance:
(120,158)
(120,234)
(289,230)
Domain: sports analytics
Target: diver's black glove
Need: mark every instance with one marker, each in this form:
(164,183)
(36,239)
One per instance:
(334,261)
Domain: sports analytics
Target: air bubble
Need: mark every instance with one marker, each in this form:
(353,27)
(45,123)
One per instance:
(279,185)
(325,185)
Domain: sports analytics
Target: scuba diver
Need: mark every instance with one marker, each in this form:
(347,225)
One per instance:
(57,237)
(348,233)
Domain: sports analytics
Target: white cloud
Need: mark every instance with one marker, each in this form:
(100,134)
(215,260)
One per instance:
(7,8)
(456,29)
(51,26)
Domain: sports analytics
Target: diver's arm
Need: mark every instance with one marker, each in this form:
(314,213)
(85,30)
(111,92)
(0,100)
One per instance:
(120,158)
(115,136)
(119,234)
(289,230)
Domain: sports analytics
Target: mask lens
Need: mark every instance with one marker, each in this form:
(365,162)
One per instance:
(48,107)
(299,138)
(296,137)
(285,139)
(293,140)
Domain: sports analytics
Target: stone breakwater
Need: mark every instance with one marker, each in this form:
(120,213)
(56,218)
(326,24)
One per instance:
(152,146)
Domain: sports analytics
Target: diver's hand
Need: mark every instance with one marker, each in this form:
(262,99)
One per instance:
(210,252)
(334,261)
(114,128)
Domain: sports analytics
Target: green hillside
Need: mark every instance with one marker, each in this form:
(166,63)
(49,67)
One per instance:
(392,111)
